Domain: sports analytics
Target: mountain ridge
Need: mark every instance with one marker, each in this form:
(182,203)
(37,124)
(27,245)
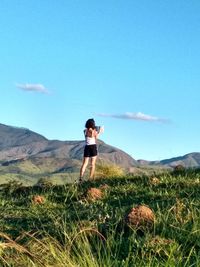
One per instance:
(18,143)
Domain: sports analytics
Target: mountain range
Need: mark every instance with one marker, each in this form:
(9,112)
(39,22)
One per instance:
(21,144)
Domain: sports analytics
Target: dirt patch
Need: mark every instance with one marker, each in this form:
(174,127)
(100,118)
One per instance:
(140,216)
(94,194)
(38,199)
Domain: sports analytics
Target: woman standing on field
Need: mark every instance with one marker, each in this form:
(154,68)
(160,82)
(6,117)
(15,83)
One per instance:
(91,134)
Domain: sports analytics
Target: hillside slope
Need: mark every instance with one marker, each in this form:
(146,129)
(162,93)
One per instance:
(190,160)
(17,144)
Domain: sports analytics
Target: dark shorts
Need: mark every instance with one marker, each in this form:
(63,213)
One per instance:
(90,151)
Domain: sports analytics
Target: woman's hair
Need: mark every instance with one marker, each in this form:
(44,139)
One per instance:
(90,124)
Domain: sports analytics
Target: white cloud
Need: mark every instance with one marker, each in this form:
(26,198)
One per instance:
(33,87)
(133,116)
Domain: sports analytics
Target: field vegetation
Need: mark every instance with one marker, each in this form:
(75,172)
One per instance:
(89,225)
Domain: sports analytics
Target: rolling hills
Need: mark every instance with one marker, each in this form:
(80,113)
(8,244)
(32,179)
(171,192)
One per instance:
(24,152)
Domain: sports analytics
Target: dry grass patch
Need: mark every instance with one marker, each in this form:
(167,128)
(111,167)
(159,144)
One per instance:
(104,170)
(161,246)
(154,181)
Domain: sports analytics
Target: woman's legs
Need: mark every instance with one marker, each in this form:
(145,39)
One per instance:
(84,166)
(92,166)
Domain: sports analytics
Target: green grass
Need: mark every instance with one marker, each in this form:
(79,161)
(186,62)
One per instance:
(70,230)
(30,171)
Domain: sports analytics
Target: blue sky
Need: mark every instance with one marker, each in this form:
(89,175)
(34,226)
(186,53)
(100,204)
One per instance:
(133,66)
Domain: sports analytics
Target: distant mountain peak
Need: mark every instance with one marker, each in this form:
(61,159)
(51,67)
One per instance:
(190,160)
(20,143)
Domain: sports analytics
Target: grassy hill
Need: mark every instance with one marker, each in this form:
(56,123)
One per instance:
(68,225)
(29,171)
(60,171)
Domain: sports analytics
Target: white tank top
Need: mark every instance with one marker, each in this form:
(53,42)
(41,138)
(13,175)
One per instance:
(89,140)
